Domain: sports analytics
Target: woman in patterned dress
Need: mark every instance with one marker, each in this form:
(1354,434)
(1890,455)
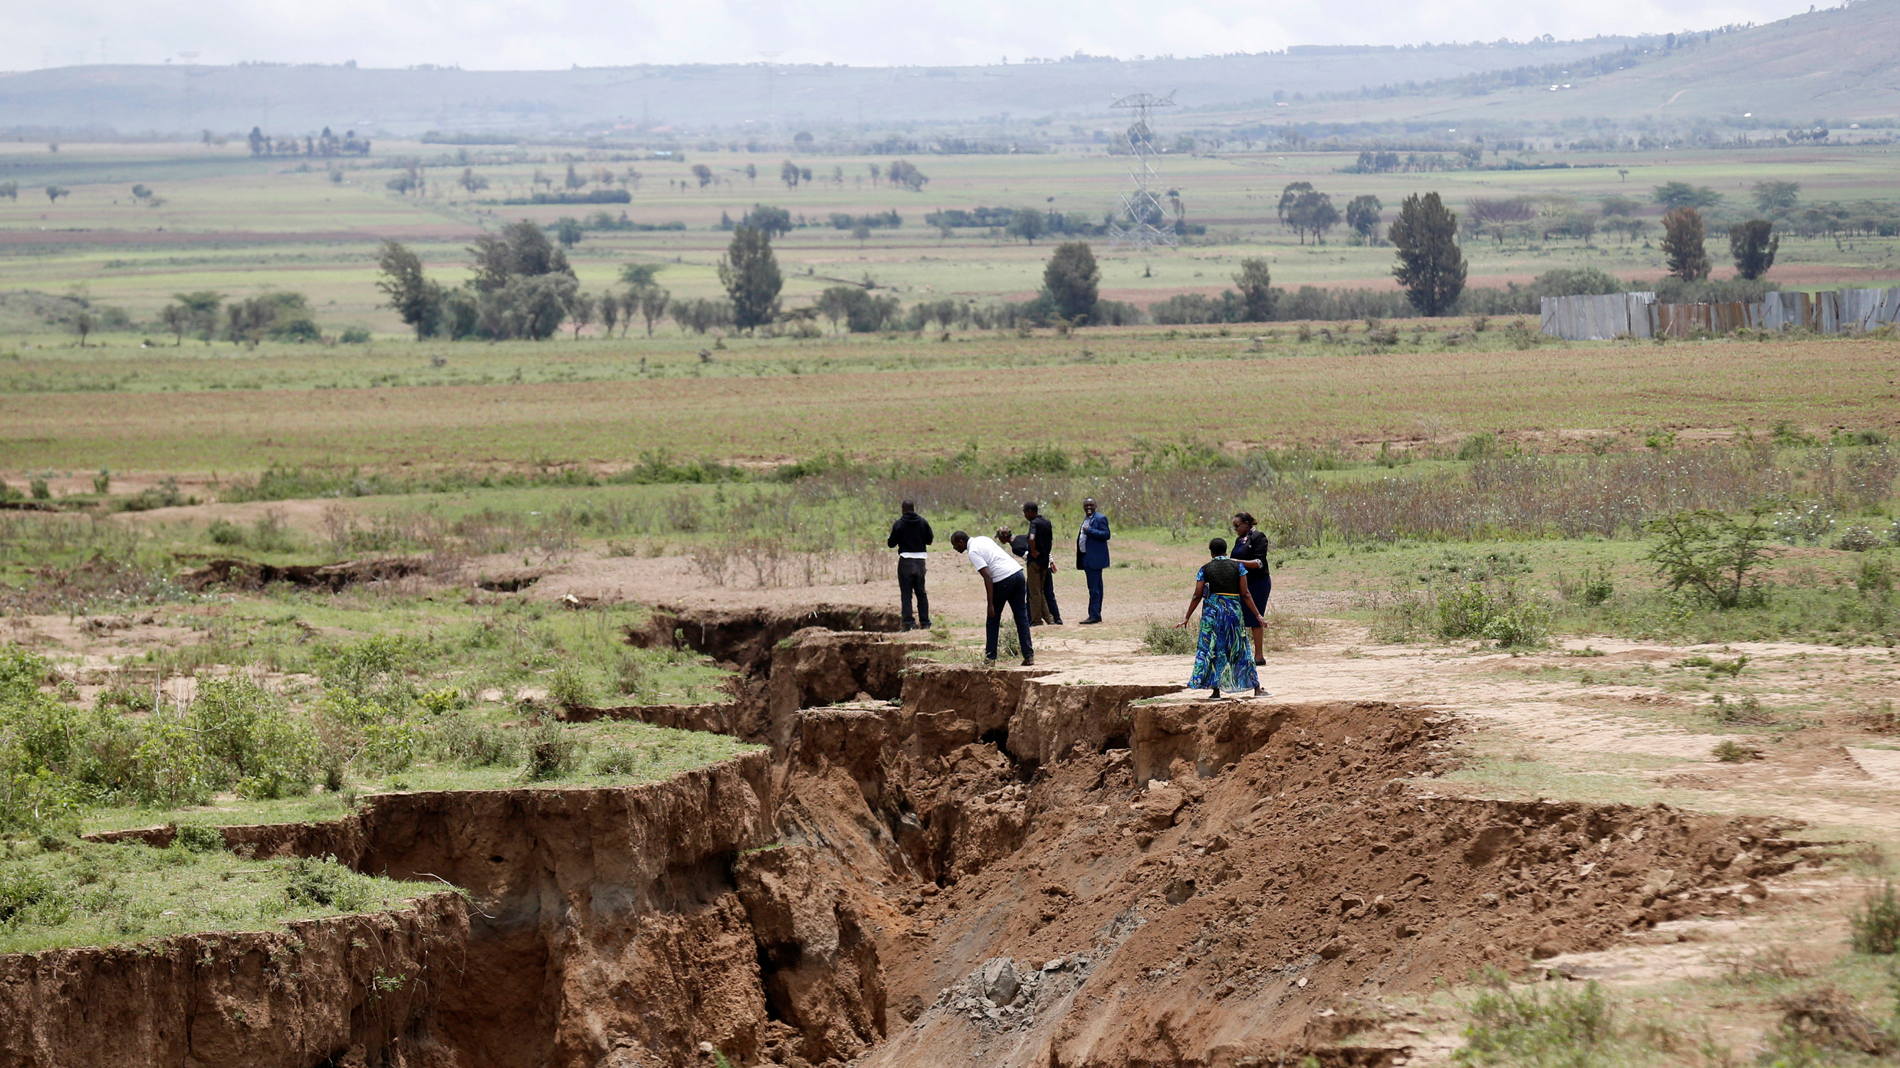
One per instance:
(1223,656)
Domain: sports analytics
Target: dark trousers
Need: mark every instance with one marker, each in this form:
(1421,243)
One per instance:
(1048,580)
(1011,593)
(1095,591)
(910,581)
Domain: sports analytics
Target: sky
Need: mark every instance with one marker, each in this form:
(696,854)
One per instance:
(557,34)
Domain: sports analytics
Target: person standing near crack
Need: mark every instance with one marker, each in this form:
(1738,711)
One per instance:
(1091,555)
(911,537)
(1042,565)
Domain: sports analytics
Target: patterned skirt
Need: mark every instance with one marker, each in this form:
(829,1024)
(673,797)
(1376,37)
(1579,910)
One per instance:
(1223,657)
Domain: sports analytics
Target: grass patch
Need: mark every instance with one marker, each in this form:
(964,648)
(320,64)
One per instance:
(63,892)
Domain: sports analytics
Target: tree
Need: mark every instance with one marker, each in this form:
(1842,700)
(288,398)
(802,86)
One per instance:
(1776,199)
(10,190)
(750,274)
(82,324)
(1290,194)
(1673,195)
(1312,212)
(1027,224)
(703,174)
(788,173)
(574,179)
(1682,245)
(471,181)
(1617,204)
(1752,244)
(416,300)
(876,173)
(177,319)
(567,230)
(1362,214)
(581,312)
(141,192)
(653,301)
(54,192)
(1071,278)
(201,308)
(1431,267)
(609,312)
(521,249)
(905,173)
(752,174)
(641,275)
(862,233)
(1255,282)
(773,222)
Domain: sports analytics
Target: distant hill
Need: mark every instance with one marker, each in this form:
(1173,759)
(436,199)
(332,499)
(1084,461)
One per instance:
(300,100)
(1840,65)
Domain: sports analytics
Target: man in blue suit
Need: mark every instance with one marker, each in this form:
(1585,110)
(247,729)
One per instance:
(1091,555)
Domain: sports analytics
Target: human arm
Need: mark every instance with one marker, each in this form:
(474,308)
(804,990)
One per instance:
(1096,528)
(891,542)
(989,591)
(1200,591)
(928,536)
(1246,598)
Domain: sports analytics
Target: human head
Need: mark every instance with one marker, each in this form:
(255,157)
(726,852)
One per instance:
(909,507)
(1031,508)
(959,541)
(1003,534)
(1217,547)
(1243,522)
(1088,506)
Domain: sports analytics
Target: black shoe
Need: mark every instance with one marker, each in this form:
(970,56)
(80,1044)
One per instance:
(1055,622)
(906,627)
(926,624)
(1090,622)
(1029,661)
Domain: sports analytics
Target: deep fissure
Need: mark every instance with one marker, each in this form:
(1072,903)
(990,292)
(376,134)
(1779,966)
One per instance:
(1055,874)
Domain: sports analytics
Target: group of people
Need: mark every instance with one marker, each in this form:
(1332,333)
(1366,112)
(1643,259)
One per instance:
(1018,573)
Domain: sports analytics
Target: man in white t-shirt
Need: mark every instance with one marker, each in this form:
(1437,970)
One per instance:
(1003,583)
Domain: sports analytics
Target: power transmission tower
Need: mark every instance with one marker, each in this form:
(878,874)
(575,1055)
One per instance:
(1139,227)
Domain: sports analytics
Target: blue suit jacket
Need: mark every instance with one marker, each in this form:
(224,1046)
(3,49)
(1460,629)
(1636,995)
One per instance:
(1093,553)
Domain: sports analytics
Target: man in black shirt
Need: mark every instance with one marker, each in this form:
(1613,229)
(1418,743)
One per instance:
(1040,564)
(910,536)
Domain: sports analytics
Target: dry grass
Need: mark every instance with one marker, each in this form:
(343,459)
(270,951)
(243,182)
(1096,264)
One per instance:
(848,397)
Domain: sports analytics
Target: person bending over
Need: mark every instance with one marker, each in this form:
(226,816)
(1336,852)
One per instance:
(1003,584)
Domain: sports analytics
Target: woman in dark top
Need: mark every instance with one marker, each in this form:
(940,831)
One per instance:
(1220,655)
(1250,550)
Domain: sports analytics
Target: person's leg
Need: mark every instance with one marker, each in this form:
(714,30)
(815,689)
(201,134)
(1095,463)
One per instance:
(1260,590)
(906,583)
(990,625)
(1095,593)
(1049,596)
(1017,595)
(1038,608)
(923,594)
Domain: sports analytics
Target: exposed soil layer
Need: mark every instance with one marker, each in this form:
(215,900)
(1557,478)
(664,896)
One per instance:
(746,638)
(245,574)
(348,990)
(955,865)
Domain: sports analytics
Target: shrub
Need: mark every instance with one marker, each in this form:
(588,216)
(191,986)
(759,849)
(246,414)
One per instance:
(552,752)
(198,838)
(1858,539)
(1733,752)
(1163,639)
(1498,612)
(1711,555)
(1875,925)
(1535,1028)
(570,687)
(323,883)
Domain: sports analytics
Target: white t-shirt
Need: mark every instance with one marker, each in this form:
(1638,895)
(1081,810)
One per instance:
(984,552)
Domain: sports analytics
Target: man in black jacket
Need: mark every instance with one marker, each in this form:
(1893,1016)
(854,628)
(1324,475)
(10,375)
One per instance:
(1040,565)
(910,535)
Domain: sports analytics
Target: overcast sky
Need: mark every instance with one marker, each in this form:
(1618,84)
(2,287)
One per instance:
(526,34)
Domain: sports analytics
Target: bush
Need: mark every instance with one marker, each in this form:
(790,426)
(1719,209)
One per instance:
(1552,1027)
(322,882)
(1858,539)
(1712,555)
(198,838)
(1499,612)
(1733,752)
(1162,639)
(552,753)
(570,687)
(1875,925)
